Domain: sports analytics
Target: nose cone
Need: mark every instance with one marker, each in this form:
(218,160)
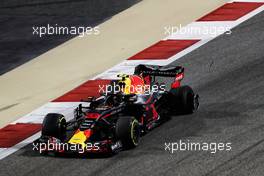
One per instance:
(80,137)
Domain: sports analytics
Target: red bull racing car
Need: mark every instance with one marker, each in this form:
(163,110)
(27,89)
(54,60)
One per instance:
(115,121)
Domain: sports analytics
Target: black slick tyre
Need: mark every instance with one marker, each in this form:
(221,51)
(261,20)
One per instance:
(128,131)
(54,125)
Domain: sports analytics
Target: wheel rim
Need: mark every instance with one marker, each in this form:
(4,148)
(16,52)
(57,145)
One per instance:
(135,132)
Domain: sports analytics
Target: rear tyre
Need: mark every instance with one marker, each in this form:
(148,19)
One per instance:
(128,131)
(183,100)
(54,125)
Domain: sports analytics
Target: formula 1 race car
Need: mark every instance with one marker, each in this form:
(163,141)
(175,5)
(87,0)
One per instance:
(131,107)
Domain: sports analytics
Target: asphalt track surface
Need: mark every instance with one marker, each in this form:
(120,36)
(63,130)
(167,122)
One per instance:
(17,42)
(229,76)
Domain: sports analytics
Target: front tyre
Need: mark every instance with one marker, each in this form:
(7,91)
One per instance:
(54,125)
(128,131)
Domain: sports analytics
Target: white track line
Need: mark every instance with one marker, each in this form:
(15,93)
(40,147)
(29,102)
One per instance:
(4,152)
(247,1)
(64,108)
(129,65)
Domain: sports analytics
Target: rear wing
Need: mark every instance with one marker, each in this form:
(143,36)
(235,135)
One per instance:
(155,70)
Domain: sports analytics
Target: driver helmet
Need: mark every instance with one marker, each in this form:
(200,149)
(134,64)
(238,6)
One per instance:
(131,84)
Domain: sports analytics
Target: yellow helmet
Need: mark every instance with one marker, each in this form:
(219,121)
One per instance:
(125,83)
(131,84)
